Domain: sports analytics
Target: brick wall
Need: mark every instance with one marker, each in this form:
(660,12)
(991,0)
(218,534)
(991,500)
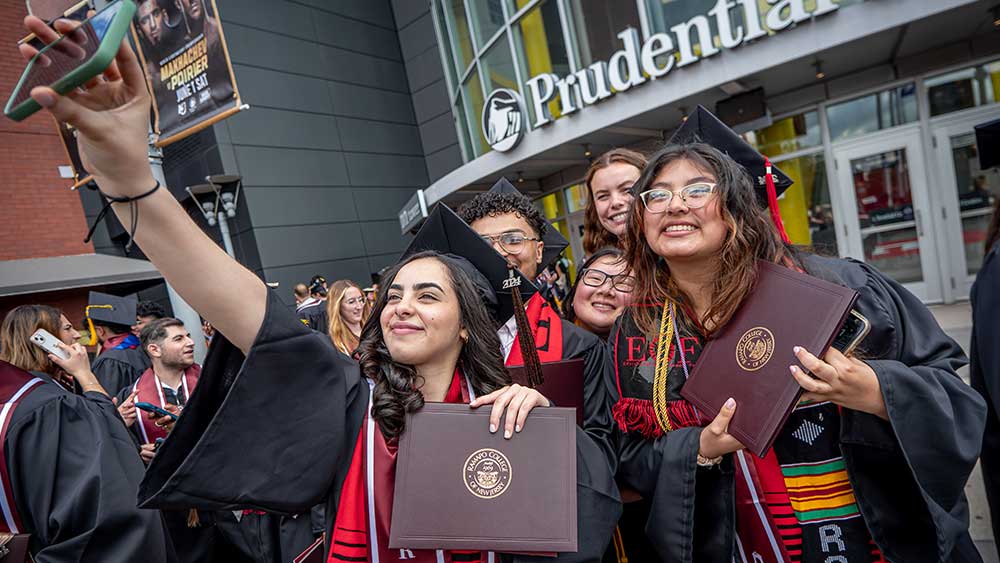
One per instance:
(41,217)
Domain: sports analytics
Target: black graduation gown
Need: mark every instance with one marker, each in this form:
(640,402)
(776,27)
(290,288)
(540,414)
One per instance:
(314,316)
(275,432)
(597,373)
(985,372)
(267,538)
(908,474)
(118,369)
(74,473)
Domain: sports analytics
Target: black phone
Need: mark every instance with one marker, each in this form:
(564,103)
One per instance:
(853,331)
(150,407)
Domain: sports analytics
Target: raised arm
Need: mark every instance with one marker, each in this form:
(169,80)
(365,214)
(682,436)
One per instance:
(111,115)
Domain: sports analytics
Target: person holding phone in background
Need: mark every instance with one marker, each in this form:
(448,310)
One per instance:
(73,473)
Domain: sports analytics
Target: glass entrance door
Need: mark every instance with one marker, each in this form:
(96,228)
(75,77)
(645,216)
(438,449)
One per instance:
(967,196)
(885,204)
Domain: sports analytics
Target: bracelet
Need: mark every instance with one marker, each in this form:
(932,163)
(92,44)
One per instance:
(703,461)
(133,209)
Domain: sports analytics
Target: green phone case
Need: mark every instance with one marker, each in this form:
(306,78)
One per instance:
(91,68)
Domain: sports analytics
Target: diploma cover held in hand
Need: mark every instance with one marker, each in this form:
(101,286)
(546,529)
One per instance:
(563,383)
(460,487)
(748,359)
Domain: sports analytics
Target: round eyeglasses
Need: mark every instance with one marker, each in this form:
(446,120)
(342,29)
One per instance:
(596,278)
(511,241)
(693,195)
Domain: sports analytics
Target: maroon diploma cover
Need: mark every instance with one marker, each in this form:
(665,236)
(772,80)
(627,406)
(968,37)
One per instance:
(748,359)
(563,383)
(460,487)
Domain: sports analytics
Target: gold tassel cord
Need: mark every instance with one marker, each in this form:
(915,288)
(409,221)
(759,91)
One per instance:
(90,322)
(663,368)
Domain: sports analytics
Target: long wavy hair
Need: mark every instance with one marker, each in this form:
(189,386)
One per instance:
(15,337)
(751,236)
(595,236)
(397,385)
(339,332)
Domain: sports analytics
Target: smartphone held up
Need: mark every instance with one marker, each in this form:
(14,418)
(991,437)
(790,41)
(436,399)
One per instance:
(73,59)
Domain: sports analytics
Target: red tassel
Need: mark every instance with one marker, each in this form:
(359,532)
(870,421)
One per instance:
(772,201)
(636,415)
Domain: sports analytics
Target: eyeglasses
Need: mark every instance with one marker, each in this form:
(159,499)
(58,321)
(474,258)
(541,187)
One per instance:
(354,301)
(511,241)
(693,196)
(596,278)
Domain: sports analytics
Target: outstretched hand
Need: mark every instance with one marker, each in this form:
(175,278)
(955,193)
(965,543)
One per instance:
(517,400)
(110,113)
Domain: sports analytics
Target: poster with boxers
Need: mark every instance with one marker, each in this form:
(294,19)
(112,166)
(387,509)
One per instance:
(183,51)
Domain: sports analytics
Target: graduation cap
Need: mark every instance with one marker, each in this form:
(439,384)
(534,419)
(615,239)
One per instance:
(553,239)
(988,144)
(701,126)
(109,309)
(445,232)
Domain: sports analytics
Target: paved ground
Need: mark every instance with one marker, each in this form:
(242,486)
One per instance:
(956,320)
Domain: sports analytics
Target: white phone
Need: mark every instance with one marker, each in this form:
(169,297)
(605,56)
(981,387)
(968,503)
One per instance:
(44,340)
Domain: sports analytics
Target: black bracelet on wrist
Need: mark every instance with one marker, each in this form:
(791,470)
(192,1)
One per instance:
(133,209)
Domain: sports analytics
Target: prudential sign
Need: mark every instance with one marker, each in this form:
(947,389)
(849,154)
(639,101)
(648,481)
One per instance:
(504,120)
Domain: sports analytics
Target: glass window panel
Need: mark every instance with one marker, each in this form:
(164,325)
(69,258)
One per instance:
(552,206)
(598,23)
(885,211)
(498,65)
(473,99)
(962,89)
(874,112)
(458,30)
(540,48)
(977,192)
(805,207)
(487,19)
(787,135)
(462,126)
(445,50)
(576,197)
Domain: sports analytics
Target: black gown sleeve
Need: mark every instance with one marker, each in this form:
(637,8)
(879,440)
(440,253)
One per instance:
(266,432)
(113,374)
(597,373)
(909,473)
(75,473)
(985,372)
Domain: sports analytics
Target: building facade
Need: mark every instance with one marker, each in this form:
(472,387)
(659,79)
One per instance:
(868,105)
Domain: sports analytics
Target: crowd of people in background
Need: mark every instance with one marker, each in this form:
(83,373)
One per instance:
(257,455)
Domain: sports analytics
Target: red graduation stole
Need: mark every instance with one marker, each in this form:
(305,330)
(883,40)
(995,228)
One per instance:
(15,384)
(546,326)
(361,531)
(151,391)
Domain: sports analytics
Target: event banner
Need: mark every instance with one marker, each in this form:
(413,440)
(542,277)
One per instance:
(183,50)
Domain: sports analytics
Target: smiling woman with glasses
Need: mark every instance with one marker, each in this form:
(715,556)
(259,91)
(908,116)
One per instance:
(601,292)
(347,309)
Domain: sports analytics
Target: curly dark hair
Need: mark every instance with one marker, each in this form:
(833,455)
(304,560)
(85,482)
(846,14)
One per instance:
(492,204)
(396,387)
(150,309)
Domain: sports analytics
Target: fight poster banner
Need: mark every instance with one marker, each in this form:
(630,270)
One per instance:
(183,51)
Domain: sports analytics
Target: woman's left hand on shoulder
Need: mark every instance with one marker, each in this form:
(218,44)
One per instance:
(517,400)
(845,381)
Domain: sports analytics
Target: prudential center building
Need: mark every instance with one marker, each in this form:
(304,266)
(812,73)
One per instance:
(868,105)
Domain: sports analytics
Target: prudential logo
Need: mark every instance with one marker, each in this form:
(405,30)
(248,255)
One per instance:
(503,119)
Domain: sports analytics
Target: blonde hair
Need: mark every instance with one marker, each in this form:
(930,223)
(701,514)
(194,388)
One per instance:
(341,335)
(15,337)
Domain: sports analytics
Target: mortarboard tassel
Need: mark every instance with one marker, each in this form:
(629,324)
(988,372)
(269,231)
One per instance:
(532,365)
(90,322)
(772,201)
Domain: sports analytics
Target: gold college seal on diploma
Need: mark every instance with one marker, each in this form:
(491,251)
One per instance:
(754,348)
(486,473)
